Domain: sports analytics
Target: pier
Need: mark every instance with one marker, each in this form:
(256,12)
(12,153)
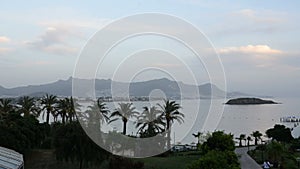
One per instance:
(290,119)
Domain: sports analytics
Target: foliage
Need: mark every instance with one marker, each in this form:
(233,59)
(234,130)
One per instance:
(72,144)
(295,145)
(170,114)
(257,136)
(49,106)
(176,161)
(248,140)
(6,106)
(27,106)
(216,160)
(280,133)
(241,138)
(66,109)
(150,122)
(125,111)
(218,153)
(275,151)
(20,133)
(219,141)
(116,162)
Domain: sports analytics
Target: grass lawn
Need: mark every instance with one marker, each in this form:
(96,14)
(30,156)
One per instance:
(179,161)
(37,159)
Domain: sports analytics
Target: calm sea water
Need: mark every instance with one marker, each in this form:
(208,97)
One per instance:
(235,119)
(210,115)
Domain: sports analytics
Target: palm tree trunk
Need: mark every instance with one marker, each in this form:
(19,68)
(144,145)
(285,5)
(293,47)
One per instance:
(124,127)
(169,139)
(47,118)
(63,118)
(248,144)
(168,135)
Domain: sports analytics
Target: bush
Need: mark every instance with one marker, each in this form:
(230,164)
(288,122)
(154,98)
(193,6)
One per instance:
(116,162)
(216,160)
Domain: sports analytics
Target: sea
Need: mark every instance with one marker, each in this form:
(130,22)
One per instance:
(208,115)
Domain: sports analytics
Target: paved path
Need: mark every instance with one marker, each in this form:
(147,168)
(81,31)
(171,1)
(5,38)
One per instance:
(245,160)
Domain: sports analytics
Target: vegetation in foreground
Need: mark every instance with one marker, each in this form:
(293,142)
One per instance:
(62,141)
(282,150)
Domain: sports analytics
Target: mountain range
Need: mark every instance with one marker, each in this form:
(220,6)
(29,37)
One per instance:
(171,89)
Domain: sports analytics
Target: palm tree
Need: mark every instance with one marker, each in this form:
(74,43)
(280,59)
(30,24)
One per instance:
(67,109)
(248,141)
(97,114)
(125,111)
(28,106)
(151,121)
(73,107)
(103,110)
(170,114)
(241,138)
(257,136)
(49,105)
(6,106)
(62,107)
(198,135)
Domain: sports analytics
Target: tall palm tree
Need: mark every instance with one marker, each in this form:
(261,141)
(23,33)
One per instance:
(97,114)
(248,141)
(241,138)
(67,108)
(73,107)
(103,110)
(6,106)
(198,136)
(125,111)
(151,121)
(170,113)
(27,106)
(257,136)
(62,108)
(49,103)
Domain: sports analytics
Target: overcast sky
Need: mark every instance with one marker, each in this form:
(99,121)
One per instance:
(257,41)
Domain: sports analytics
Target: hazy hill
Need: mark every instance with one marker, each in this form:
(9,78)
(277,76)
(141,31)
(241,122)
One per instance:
(171,89)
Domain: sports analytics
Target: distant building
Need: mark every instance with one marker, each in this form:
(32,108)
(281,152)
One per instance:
(182,148)
(10,159)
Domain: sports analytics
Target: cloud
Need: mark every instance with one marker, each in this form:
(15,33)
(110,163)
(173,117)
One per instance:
(250,49)
(251,56)
(77,24)
(4,51)
(56,40)
(263,17)
(62,50)
(249,21)
(166,65)
(4,39)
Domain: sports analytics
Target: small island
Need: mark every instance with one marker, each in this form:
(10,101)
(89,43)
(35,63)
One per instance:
(249,101)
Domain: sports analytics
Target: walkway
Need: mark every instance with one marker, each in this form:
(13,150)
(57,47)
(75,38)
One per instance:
(245,160)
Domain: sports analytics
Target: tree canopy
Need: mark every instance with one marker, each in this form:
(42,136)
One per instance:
(280,133)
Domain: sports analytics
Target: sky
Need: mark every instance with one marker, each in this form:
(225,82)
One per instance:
(257,41)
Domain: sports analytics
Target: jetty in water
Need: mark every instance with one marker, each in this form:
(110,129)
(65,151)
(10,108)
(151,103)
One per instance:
(290,119)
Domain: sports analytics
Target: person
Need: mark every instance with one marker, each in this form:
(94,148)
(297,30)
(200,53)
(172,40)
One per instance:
(266,165)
